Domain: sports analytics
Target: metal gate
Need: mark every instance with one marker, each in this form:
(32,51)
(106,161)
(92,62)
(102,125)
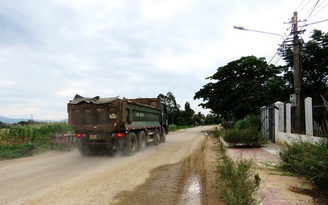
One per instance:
(268,122)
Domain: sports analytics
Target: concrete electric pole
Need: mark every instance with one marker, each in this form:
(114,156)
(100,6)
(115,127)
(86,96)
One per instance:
(297,75)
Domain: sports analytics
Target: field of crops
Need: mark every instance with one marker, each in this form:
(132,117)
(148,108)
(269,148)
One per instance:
(37,133)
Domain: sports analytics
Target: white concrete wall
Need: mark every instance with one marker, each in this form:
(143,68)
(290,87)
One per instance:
(288,137)
(308,116)
(283,137)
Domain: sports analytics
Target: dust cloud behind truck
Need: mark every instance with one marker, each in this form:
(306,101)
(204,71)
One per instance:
(114,124)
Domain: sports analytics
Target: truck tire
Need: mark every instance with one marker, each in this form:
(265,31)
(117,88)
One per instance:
(163,136)
(84,149)
(156,137)
(142,140)
(131,145)
(53,145)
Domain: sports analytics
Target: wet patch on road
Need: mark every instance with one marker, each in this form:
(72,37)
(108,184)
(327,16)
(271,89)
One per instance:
(191,181)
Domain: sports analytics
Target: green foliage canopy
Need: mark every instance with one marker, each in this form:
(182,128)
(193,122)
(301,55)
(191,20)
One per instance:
(314,66)
(241,87)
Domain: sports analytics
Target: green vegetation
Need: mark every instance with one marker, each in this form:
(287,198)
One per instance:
(321,130)
(186,117)
(16,151)
(249,137)
(243,86)
(238,182)
(314,61)
(19,141)
(308,160)
(245,132)
(173,128)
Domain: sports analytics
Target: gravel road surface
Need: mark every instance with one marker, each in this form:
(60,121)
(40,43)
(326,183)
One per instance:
(170,173)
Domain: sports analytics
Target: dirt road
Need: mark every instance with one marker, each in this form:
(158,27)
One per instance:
(176,172)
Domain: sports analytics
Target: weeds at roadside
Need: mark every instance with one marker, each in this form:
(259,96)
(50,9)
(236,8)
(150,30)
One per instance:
(247,137)
(173,127)
(21,141)
(308,160)
(237,182)
(16,151)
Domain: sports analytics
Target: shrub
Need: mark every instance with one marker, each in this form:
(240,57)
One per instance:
(172,128)
(16,151)
(249,121)
(321,130)
(36,133)
(237,182)
(308,160)
(249,136)
(226,124)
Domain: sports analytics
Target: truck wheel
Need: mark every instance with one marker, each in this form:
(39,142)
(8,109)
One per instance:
(163,136)
(142,140)
(132,144)
(87,151)
(84,149)
(156,138)
(53,145)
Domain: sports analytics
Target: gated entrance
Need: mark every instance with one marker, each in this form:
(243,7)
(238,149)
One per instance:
(268,121)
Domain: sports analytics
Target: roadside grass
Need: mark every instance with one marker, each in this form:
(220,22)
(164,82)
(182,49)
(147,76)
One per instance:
(247,137)
(237,181)
(16,151)
(22,141)
(245,132)
(173,127)
(308,160)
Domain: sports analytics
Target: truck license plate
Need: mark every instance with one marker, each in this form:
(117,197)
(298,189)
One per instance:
(93,137)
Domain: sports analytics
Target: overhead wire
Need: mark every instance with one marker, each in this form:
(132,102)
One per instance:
(307,10)
(320,8)
(276,57)
(303,6)
(315,5)
(299,5)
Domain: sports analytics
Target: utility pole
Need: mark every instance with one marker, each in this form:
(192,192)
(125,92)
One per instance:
(297,75)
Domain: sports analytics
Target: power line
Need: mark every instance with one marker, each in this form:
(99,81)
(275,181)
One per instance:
(299,5)
(315,22)
(321,6)
(313,8)
(304,6)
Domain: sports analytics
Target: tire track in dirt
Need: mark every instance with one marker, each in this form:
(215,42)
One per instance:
(158,175)
(169,184)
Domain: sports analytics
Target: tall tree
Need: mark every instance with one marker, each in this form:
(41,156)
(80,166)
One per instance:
(169,101)
(241,87)
(314,66)
(189,114)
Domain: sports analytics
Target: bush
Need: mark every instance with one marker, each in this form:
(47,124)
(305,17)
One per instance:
(237,182)
(249,136)
(308,160)
(226,124)
(249,121)
(16,151)
(35,133)
(172,128)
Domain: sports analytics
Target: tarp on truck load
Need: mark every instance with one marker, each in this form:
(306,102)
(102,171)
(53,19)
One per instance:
(95,100)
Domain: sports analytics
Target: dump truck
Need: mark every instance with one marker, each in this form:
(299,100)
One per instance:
(113,124)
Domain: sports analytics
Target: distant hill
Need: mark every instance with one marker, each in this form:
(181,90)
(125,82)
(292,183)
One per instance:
(11,120)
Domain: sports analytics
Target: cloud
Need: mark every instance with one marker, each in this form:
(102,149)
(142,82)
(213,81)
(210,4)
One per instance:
(52,50)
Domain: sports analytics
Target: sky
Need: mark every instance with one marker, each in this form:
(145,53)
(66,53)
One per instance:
(51,50)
